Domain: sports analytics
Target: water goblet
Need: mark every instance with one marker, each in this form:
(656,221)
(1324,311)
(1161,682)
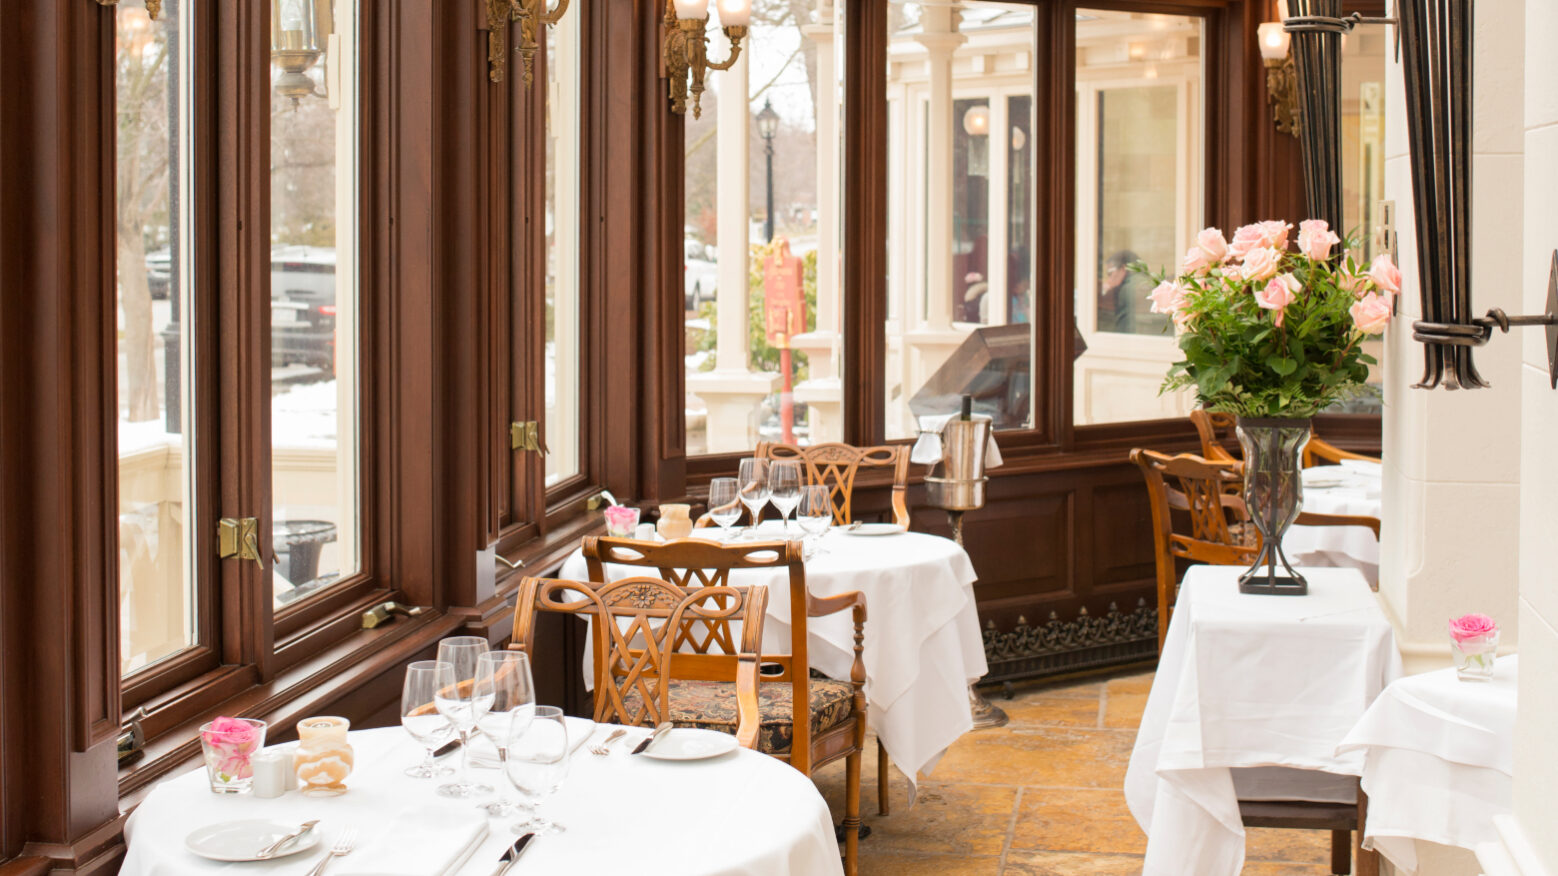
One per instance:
(784,489)
(505,677)
(753,482)
(536,765)
(460,703)
(815,514)
(724,506)
(420,717)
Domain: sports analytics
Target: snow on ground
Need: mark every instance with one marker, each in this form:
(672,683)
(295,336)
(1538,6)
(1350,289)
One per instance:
(304,416)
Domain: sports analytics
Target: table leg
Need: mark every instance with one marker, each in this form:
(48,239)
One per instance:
(1368,861)
(986,713)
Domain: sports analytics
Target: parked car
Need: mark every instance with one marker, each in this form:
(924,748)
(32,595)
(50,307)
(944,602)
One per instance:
(699,273)
(302,306)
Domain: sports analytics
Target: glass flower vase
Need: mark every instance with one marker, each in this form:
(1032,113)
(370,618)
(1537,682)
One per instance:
(1273,496)
(1474,656)
(229,746)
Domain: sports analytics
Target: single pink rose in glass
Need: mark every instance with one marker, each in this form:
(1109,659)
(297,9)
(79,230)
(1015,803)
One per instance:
(1474,645)
(229,745)
(1371,313)
(1471,626)
(621,520)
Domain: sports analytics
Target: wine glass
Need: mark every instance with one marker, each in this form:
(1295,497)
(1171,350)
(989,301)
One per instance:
(784,489)
(504,676)
(420,717)
(724,507)
(462,706)
(753,481)
(814,513)
(537,763)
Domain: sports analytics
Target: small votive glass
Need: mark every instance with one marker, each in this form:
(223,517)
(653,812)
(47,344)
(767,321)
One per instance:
(229,746)
(323,758)
(621,521)
(1474,656)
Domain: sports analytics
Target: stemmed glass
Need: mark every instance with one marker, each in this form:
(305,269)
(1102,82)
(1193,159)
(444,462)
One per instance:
(460,703)
(753,481)
(537,764)
(784,489)
(420,718)
(505,677)
(815,514)
(724,507)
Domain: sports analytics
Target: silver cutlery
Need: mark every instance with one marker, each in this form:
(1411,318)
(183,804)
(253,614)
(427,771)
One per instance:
(604,747)
(446,749)
(663,728)
(271,850)
(343,847)
(512,853)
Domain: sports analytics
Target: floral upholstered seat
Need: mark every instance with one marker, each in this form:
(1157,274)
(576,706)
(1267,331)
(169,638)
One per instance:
(711,705)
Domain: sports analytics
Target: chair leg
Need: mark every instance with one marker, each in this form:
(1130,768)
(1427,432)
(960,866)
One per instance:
(1341,852)
(852,813)
(882,798)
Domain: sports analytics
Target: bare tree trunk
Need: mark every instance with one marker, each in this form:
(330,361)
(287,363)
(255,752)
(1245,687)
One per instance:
(139,344)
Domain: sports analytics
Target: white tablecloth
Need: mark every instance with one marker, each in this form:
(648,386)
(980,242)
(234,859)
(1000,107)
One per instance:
(1438,761)
(742,814)
(1354,487)
(922,640)
(1252,681)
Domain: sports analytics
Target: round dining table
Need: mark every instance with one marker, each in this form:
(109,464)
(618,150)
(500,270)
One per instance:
(922,644)
(1353,488)
(737,814)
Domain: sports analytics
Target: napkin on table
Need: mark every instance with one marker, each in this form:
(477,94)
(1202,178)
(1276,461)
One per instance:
(420,841)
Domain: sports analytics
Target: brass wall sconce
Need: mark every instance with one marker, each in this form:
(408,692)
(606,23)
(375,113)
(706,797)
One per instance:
(684,51)
(1281,78)
(299,36)
(530,14)
(153,7)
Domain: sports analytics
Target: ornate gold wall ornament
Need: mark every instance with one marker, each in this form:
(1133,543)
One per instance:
(1282,94)
(530,14)
(685,55)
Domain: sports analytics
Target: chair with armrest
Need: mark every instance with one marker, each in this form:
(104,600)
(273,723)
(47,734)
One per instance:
(832,723)
(835,466)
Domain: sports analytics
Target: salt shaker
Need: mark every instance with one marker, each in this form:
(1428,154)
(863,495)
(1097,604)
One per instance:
(645,532)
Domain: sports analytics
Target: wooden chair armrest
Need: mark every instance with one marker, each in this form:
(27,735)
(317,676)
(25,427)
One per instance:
(900,506)
(1306,518)
(1319,448)
(817,606)
(704,521)
(748,721)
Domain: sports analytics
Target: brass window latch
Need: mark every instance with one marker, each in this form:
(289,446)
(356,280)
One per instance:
(132,738)
(385,612)
(239,537)
(527,435)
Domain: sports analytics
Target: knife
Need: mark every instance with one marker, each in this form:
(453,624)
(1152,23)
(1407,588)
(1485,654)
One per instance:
(512,853)
(660,730)
(270,851)
(446,749)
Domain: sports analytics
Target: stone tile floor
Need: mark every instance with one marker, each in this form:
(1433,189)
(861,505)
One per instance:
(1039,797)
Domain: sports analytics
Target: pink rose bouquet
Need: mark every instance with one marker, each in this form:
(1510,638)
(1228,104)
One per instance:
(1474,644)
(1268,330)
(229,745)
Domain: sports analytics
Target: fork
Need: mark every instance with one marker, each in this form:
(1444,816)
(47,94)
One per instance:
(342,847)
(604,747)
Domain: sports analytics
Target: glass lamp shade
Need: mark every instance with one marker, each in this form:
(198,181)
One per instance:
(690,10)
(1273,41)
(976,122)
(767,121)
(734,13)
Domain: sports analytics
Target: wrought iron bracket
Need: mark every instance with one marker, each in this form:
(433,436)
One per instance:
(1480,331)
(1345,24)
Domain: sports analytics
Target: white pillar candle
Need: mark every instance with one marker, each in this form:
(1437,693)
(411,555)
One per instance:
(272,770)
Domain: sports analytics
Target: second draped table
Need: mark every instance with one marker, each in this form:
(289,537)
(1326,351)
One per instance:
(922,641)
(1354,488)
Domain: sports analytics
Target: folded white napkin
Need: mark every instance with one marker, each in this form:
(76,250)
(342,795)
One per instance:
(421,841)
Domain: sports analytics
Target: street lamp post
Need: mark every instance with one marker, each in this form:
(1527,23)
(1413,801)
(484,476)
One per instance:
(767,127)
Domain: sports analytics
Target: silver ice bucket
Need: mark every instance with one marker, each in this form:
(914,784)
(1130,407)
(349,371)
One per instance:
(957,483)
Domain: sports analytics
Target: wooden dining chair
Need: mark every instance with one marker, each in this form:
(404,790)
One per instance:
(1345,821)
(1321,452)
(835,466)
(635,622)
(1218,532)
(833,723)
(1216,430)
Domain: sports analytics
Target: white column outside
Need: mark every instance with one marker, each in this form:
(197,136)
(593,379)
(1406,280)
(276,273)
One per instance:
(822,392)
(732,391)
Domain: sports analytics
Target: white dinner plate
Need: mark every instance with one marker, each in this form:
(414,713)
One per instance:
(690,743)
(873,529)
(243,840)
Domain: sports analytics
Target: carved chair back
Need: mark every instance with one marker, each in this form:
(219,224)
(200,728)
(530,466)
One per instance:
(1218,532)
(835,466)
(1216,430)
(635,622)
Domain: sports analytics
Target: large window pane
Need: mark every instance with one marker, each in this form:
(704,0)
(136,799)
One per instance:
(1139,197)
(562,249)
(960,199)
(156,507)
(314,374)
(1363,172)
(763,179)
